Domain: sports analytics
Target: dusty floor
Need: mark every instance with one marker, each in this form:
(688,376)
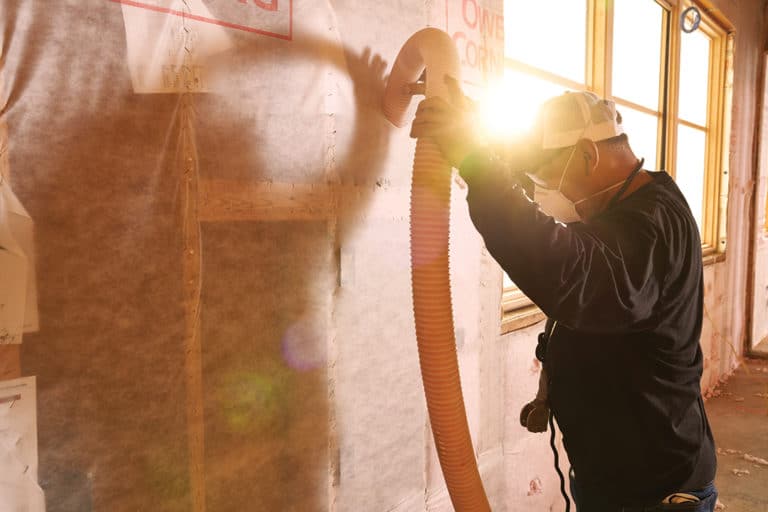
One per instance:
(762,346)
(738,413)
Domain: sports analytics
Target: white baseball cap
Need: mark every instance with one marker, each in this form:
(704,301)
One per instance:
(574,115)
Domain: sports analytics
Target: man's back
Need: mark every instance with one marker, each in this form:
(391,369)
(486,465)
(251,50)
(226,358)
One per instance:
(629,403)
(624,360)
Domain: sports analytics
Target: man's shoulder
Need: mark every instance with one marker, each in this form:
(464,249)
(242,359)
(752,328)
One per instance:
(659,201)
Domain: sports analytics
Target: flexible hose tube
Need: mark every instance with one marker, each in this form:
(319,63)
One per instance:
(433,50)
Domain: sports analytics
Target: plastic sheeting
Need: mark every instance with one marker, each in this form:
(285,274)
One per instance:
(221,224)
(18,295)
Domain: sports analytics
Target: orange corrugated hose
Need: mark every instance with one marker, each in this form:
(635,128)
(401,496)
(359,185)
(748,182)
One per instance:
(433,50)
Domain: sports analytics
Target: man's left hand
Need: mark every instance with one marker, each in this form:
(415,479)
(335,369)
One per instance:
(451,124)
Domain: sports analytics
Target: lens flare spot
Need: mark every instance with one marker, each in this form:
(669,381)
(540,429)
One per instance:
(250,400)
(303,346)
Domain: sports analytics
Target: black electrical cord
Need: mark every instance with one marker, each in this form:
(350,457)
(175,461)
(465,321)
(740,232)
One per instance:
(557,461)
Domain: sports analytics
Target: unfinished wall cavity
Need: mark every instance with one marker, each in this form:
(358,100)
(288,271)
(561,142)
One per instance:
(727,284)
(758,337)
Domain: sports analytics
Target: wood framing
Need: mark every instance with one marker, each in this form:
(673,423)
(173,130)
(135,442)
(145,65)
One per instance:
(599,47)
(760,123)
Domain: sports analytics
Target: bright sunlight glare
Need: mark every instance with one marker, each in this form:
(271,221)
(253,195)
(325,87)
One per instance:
(509,106)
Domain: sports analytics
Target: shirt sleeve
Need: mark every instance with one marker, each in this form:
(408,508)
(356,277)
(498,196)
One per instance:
(599,277)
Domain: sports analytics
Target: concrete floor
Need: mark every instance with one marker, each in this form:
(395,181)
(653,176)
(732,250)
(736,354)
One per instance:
(739,420)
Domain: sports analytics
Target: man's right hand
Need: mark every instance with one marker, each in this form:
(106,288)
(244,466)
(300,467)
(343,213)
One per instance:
(534,416)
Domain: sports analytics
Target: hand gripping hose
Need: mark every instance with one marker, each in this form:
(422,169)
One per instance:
(433,50)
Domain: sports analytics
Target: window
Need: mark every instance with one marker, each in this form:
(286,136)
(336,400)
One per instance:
(546,54)
(669,86)
(637,72)
(697,149)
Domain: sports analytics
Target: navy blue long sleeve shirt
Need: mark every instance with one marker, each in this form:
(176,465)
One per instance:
(623,362)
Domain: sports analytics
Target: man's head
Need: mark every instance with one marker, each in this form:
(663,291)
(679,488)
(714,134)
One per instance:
(577,138)
(563,120)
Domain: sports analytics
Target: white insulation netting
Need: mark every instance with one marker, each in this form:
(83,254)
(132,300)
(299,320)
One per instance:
(220,318)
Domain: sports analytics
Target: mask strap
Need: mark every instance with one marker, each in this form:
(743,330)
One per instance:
(606,189)
(565,169)
(573,151)
(626,184)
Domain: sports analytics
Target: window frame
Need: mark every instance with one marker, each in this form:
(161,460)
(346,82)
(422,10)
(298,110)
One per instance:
(719,96)
(517,311)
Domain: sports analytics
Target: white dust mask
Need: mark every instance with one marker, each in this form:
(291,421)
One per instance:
(553,202)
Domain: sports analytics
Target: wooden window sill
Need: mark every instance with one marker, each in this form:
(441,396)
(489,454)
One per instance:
(521,318)
(715,257)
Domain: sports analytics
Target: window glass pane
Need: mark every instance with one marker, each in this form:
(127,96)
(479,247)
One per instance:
(641,130)
(548,34)
(637,51)
(510,108)
(690,168)
(694,77)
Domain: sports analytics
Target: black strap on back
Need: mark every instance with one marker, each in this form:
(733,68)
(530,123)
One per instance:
(541,346)
(627,183)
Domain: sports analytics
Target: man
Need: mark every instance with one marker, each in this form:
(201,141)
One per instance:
(622,287)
